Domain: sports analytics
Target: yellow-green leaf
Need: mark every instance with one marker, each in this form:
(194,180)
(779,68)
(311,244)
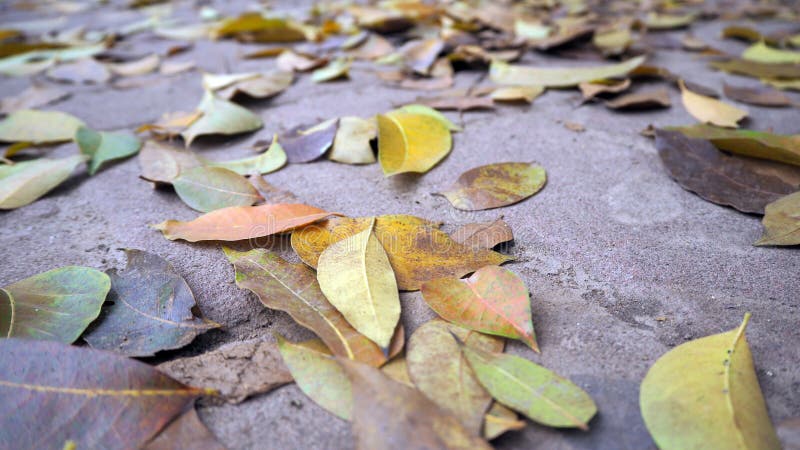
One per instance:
(271,160)
(507,74)
(704,394)
(220,117)
(782,222)
(209,188)
(762,53)
(356,277)
(427,110)
(39,127)
(24,182)
(710,110)
(495,185)
(757,144)
(333,71)
(352,142)
(411,142)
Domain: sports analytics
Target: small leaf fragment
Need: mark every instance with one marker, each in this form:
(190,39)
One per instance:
(757,96)
(185,432)
(269,161)
(32,97)
(762,53)
(352,142)
(500,419)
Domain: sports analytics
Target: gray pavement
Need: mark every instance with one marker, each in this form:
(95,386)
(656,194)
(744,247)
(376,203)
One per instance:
(607,248)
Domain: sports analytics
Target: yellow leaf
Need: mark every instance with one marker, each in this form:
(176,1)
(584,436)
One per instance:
(410,142)
(710,110)
(358,280)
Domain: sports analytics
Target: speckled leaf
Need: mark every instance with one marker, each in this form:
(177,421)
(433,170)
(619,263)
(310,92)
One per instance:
(271,160)
(761,96)
(293,288)
(128,402)
(303,144)
(319,376)
(747,184)
(757,144)
(530,389)
(162,163)
(32,97)
(762,53)
(417,250)
(352,142)
(24,182)
(439,370)
(493,300)
(210,188)
(500,419)
(411,142)
(151,309)
(242,222)
(392,416)
(220,117)
(105,146)
(56,305)
(705,394)
(185,432)
(333,71)
(39,127)
(507,74)
(495,185)
(782,222)
(709,110)
(483,235)
(236,371)
(357,278)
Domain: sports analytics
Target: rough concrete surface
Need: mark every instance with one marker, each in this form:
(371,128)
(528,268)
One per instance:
(607,247)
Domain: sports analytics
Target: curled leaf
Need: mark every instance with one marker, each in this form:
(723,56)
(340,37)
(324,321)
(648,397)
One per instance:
(507,74)
(709,110)
(411,142)
(220,117)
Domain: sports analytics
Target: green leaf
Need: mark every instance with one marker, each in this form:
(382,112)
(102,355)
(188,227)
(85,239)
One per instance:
(220,117)
(757,144)
(532,390)
(782,222)
(210,188)
(440,371)
(507,74)
(24,182)
(760,52)
(56,305)
(356,277)
(319,376)
(151,309)
(271,160)
(334,70)
(39,127)
(705,394)
(106,146)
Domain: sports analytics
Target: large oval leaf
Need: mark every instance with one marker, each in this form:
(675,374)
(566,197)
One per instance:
(417,250)
(411,142)
(507,74)
(151,309)
(355,275)
(39,127)
(24,182)
(705,394)
(495,185)
(493,300)
(531,389)
(54,393)
(210,188)
(56,305)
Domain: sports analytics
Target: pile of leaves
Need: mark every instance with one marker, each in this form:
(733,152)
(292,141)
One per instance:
(449,384)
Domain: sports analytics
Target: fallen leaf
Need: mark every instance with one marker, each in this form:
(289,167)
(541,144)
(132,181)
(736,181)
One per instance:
(24,182)
(516,93)
(185,432)
(290,61)
(760,52)
(151,309)
(39,127)
(457,103)
(757,144)
(162,164)
(255,85)
(135,68)
(56,305)
(592,89)
(493,300)
(782,222)
(530,389)
(171,124)
(500,419)
(293,288)
(564,36)
(793,85)
(352,142)
(254,27)
(613,40)
(483,235)
(356,277)
(170,68)
(417,250)
(659,21)
(207,189)
(495,185)
(658,98)
(428,111)
(105,146)
(335,70)
(711,111)
(128,401)
(743,33)
(507,74)
(271,193)
(419,55)
(85,70)
(705,394)
(303,144)
(319,376)
(236,371)
(33,97)
(391,415)
(397,369)
(374,47)
(411,142)
(757,96)
(271,160)
(439,370)
(758,70)
(574,126)
(220,117)
(746,184)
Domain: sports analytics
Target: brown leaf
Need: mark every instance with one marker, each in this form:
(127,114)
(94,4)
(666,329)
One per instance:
(187,432)
(763,96)
(483,235)
(747,184)
(162,163)
(658,98)
(757,69)
(419,55)
(237,370)
(305,144)
(271,193)
(390,415)
(592,89)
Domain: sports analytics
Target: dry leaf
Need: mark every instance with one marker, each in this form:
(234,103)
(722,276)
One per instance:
(495,185)
(506,74)
(220,117)
(500,419)
(24,182)
(711,111)
(483,235)
(39,127)
(32,97)
(85,70)
(185,432)
(592,89)
(411,142)
(303,144)
(658,98)
(457,103)
(782,222)
(207,189)
(757,144)
(516,93)
(757,96)
(352,142)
